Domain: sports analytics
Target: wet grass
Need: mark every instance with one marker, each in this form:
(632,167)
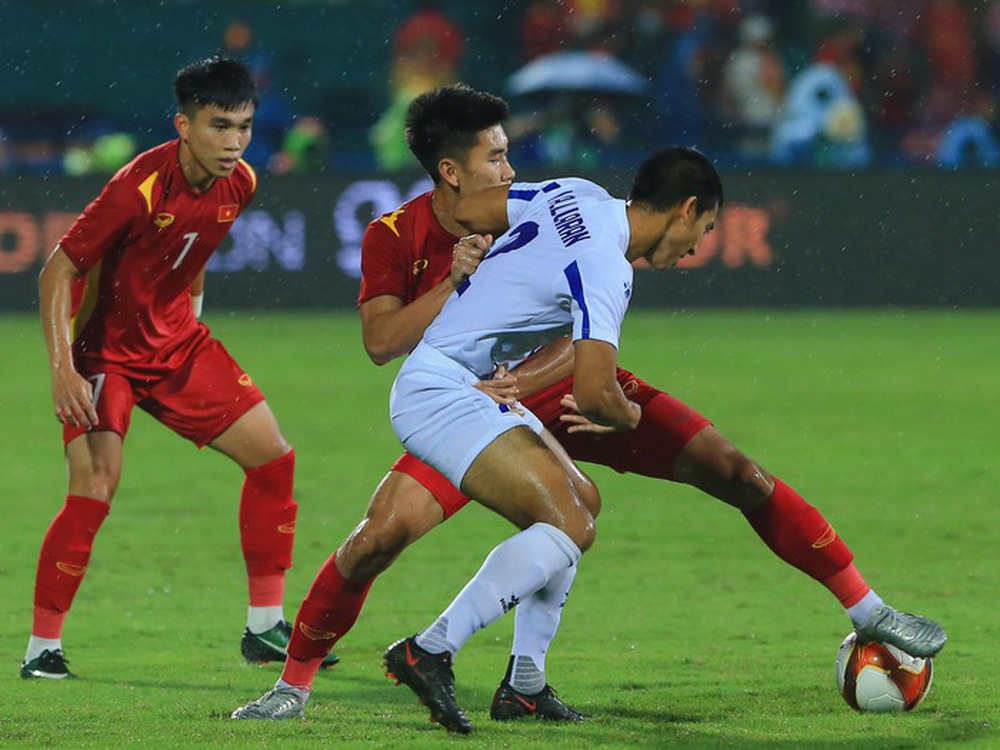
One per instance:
(682,630)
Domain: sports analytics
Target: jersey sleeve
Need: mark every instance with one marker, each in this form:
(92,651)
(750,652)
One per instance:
(249,184)
(104,222)
(599,293)
(383,264)
(523,198)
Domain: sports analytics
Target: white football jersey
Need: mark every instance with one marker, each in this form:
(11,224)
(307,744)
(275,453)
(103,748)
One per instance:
(559,270)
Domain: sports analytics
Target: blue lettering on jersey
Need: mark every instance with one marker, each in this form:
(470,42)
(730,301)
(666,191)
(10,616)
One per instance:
(566,216)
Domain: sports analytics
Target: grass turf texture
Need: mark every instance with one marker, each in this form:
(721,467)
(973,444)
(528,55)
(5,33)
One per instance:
(682,629)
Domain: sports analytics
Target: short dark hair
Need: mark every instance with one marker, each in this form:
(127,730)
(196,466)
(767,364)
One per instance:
(673,174)
(226,83)
(447,121)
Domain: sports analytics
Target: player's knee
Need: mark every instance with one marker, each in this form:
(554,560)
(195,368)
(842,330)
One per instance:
(590,497)
(581,529)
(756,482)
(94,481)
(269,454)
(750,484)
(370,549)
(586,535)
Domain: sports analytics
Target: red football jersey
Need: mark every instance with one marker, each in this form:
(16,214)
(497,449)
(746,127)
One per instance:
(141,243)
(405,253)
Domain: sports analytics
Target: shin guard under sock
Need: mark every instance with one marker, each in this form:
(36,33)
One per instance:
(799,534)
(267,528)
(63,561)
(328,612)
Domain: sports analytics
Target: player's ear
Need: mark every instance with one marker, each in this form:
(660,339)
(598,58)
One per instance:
(689,208)
(181,123)
(447,168)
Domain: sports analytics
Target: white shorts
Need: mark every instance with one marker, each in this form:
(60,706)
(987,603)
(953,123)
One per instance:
(442,419)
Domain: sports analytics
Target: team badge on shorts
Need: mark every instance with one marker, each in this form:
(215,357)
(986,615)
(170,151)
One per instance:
(245,379)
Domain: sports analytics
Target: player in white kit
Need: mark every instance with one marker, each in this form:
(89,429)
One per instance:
(563,271)
(563,266)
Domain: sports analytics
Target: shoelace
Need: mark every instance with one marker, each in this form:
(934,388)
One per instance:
(49,658)
(287,699)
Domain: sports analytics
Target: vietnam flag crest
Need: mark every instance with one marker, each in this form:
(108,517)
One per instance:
(228,213)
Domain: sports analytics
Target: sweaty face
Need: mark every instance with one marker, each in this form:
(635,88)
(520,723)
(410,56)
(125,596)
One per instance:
(212,142)
(682,238)
(486,165)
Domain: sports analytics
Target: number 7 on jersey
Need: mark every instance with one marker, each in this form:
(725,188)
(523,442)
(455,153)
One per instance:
(190,237)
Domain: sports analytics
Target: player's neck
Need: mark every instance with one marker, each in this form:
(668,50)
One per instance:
(198,178)
(443,201)
(646,229)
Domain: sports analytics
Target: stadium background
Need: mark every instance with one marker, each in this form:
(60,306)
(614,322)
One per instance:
(899,232)
(885,418)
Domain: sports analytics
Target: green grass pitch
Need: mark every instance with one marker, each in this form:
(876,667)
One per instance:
(682,629)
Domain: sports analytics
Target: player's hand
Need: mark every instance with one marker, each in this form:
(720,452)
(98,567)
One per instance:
(579,423)
(502,388)
(467,254)
(73,397)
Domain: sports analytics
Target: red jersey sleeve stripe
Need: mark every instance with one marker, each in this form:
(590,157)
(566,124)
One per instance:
(146,189)
(253,176)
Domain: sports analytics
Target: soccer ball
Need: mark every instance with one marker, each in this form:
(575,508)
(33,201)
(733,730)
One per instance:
(880,678)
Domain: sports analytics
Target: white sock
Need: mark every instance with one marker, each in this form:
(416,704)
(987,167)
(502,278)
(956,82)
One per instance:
(860,612)
(262,619)
(525,676)
(535,624)
(303,691)
(435,638)
(36,645)
(515,569)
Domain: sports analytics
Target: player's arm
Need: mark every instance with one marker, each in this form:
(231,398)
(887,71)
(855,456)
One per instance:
(72,394)
(390,329)
(198,293)
(549,365)
(597,396)
(484,211)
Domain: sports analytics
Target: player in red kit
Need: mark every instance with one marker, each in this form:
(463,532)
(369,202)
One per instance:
(119,301)
(412,260)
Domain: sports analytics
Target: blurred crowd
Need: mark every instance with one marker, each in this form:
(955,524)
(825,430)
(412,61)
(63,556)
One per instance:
(822,83)
(838,84)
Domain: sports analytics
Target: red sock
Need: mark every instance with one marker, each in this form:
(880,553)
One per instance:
(328,612)
(798,534)
(267,528)
(848,585)
(63,561)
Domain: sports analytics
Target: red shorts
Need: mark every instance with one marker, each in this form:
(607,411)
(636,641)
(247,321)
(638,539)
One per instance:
(649,450)
(449,497)
(198,401)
